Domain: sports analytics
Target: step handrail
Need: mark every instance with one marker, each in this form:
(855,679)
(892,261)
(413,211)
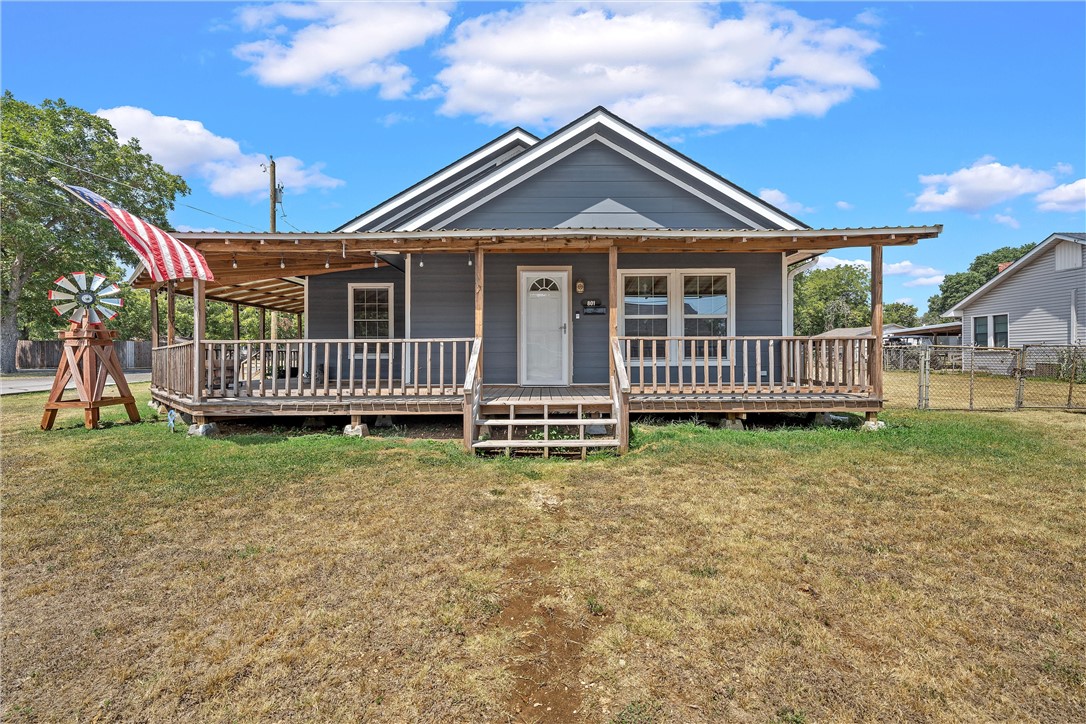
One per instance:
(473,392)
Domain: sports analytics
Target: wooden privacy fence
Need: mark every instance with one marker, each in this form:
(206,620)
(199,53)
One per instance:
(332,367)
(34,354)
(730,365)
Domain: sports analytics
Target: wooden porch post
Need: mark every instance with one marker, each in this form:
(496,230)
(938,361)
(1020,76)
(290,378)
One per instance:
(479,302)
(612,303)
(171,313)
(199,329)
(876,325)
(154,317)
(301,335)
(263,323)
(237,320)
(275,325)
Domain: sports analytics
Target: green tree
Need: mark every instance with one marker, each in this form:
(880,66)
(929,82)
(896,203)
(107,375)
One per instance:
(44,233)
(829,298)
(900,313)
(958,286)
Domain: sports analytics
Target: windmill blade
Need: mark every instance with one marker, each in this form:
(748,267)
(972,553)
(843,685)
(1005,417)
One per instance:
(60,309)
(80,279)
(77,315)
(99,280)
(105,312)
(63,282)
(112,302)
(111,289)
(55,294)
(93,316)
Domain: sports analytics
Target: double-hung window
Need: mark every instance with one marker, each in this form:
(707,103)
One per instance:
(678,303)
(980,331)
(991,331)
(370,311)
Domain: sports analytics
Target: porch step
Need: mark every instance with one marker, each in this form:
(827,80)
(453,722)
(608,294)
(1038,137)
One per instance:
(551,421)
(500,444)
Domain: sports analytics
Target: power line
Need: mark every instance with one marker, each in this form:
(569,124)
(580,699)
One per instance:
(122,183)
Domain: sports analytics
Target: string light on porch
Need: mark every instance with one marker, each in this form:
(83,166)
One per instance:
(327,262)
(469,259)
(234,261)
(420,262)
(282,263)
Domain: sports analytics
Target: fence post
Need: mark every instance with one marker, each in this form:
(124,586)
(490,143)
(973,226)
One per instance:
(1071,382)
(972,373)
(1020,374)
(922,363)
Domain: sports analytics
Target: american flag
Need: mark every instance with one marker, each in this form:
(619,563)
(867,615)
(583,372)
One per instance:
(164,256)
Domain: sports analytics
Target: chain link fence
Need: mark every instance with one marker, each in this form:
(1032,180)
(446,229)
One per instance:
(930,377)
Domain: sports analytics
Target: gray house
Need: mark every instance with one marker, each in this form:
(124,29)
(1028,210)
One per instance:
(535,286)
(1039,299)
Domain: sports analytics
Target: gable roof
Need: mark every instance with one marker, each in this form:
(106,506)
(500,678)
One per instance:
(1020,263)
(436,187)
(598,125)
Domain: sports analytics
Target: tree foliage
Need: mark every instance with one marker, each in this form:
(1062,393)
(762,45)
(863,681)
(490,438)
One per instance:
(44,233)
(900,313)
(829,298)
(956,287)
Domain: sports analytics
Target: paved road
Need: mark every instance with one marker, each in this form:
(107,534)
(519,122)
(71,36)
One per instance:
(42,381)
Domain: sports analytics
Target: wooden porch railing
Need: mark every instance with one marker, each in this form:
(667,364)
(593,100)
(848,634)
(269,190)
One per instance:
(473,392)
(732,365)
(620,398)
(319,367)
(171,369)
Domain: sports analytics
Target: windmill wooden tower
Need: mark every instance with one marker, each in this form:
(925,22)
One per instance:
(89,358)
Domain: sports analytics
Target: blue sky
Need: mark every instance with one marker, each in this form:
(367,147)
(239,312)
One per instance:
(972,115)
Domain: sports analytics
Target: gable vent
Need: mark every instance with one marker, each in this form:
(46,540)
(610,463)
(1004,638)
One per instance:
(1068,255)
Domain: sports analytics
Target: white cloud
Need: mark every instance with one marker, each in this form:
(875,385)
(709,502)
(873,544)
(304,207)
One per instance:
(844,206)
(780,199)
(932,281)
(391,119)
(903,300)
(188,148)
(1006,220)
(1063,169)
(1069,198)
(918,275)
(907,268)
(986,183)
(657,65)
(338,44)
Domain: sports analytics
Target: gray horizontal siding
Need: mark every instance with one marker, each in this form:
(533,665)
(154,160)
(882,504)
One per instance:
(443,301)
(586,177)
(1036,300)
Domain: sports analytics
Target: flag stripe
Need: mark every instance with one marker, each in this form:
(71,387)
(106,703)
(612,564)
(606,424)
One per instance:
(163,256)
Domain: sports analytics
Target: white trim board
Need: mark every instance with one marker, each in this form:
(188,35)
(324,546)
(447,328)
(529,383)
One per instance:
(603,118)
(434,183)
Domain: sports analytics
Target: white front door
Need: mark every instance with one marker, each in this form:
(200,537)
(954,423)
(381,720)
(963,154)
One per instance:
(543,330)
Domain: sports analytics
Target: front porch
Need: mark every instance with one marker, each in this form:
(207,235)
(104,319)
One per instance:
(229,379)
(610,363)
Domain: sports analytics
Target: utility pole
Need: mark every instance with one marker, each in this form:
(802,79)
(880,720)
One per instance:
(271,193)
(271,225)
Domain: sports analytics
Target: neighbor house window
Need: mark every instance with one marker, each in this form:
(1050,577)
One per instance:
(980,331)
(678,303)
(999,330)
(370,311)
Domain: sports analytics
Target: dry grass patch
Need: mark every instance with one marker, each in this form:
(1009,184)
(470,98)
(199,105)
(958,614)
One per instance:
(933,571)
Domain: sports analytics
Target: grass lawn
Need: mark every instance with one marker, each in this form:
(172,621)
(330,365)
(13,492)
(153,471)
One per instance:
(932,571)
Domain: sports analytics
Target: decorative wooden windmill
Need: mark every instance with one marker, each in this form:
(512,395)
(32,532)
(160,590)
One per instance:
(89,356)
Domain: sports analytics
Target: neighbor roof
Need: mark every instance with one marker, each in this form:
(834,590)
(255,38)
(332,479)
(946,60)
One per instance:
(1020,263)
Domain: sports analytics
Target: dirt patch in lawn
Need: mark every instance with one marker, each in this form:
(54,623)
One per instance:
(549,648)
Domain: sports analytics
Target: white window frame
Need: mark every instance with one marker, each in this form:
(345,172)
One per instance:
(991,331)
(675,294)
(391,313)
